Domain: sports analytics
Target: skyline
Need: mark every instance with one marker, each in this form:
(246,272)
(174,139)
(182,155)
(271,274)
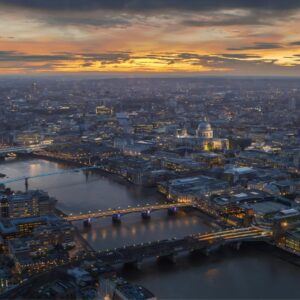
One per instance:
(173,37)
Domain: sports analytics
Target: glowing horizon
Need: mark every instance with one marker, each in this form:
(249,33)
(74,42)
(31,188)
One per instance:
(220,38)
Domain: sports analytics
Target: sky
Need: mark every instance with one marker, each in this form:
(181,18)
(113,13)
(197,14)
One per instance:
(205,37)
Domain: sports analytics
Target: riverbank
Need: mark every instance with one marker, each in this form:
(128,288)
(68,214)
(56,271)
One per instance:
(206,219)
(115,177)
(226,273)
(79,239)
(286,256)
(81,196)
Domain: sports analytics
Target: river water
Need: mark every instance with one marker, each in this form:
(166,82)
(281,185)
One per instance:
(249,273)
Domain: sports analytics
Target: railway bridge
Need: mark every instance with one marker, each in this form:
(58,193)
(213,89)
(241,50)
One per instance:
(136,254)
(20,149)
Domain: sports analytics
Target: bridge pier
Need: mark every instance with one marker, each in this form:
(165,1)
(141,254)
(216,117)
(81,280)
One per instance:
(137,264)
(172,211)
(116,218)
(208,250)
(26,184)
(146,215)
(237,245)
(87,223)
(170,257)
(86,176)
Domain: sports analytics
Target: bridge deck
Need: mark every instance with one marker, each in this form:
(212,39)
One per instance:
(109,213)
(20,149)
(10,180)
(139,252)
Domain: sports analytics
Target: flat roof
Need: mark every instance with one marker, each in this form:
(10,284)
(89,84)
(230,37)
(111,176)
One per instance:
(289,211)
(267,207)
(240,170)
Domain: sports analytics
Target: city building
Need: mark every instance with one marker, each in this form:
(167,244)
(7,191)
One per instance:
(29,204)
(291,241)
(192,188)
(46,245)
(103,110)
(203,139)
(119,289)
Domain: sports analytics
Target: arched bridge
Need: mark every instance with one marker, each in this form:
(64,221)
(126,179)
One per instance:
(117,213)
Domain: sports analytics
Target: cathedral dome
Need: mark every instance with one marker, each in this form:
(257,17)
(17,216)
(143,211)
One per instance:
(204,126)
(204,130)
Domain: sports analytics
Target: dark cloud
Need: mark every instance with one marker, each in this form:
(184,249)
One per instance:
(87,64)
(229,20)
(189,56)
(296,43)
(101,21)
(240,56)
(219,60)
(231,63)
(9,56)
(257,46)
(212,60)
(142,5)
(121,13)
(104,58)
(7,37)
(6,53)
(240,66)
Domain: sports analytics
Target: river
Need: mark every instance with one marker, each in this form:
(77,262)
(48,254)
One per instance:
(249,273)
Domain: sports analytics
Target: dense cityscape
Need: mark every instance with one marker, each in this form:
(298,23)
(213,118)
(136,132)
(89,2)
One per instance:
(149,149)
(222,150)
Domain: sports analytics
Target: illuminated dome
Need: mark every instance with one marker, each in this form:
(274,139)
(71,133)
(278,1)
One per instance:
(204,126)
(204,130)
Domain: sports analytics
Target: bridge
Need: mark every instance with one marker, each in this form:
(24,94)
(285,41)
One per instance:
(170,248)
(116,214)
(20,149)
(10,180)
(244,233)
(26,178)
(135,254)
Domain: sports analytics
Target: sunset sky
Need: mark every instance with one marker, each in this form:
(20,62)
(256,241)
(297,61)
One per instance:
(210,37)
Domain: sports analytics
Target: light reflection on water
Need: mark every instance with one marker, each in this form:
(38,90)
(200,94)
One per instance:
(134,230)
(249,273)
(76,194)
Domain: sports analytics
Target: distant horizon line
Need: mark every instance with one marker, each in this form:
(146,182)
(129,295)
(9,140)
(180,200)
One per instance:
(125,75)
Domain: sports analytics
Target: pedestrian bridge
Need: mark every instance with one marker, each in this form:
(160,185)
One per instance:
(27,178)
(117,213)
